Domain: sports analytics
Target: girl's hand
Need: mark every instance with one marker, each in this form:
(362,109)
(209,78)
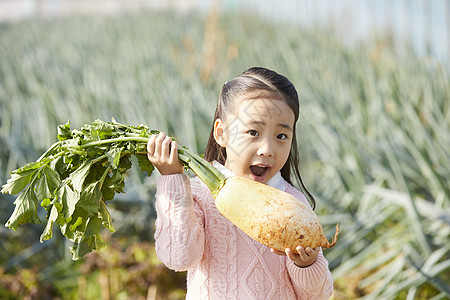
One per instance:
(162,152)
(303,259)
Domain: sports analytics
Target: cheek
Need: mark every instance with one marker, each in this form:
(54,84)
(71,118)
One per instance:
(285,151)
(238,154)
(237,143)
(238,161)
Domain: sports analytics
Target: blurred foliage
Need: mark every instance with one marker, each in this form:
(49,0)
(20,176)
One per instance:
(373,135)
(118,272)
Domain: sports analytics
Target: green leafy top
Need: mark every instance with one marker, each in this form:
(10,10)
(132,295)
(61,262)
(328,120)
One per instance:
(74,178)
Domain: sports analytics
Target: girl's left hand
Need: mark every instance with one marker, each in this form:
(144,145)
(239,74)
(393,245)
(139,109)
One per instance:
(305,257)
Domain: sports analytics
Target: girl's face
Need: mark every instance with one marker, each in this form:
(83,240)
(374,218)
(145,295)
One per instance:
(257,136)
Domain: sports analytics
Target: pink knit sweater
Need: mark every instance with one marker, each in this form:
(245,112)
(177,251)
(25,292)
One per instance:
(221,260)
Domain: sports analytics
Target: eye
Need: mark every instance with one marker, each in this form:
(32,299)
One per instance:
(282,136)
(253,132)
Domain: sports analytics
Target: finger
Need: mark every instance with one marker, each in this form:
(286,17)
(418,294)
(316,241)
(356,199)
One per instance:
(290,254)
(161,136)
(165,147)
(303,255)
(277,252)
(151,146)
(173,152)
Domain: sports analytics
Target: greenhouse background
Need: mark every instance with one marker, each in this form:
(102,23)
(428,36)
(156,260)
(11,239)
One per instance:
(424,23)
(373,79)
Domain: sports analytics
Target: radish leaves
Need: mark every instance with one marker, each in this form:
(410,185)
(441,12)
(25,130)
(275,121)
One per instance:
(74,178)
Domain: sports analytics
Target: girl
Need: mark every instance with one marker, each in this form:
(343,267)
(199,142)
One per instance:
(253,136)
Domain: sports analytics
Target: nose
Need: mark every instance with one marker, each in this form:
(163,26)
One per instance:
(265,148)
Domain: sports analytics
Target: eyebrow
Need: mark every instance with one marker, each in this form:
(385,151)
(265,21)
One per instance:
(284,125)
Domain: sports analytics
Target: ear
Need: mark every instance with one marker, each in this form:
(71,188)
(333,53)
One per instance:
(219,132)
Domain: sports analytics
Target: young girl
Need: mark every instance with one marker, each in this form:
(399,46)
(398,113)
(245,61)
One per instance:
(253,136)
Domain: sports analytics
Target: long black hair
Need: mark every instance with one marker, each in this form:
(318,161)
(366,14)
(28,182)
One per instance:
(258,78)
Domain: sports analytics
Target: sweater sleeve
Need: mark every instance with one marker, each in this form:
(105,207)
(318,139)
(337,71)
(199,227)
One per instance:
(179,235)
(313,282)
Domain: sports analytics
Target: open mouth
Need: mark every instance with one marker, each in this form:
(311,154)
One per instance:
(259,171)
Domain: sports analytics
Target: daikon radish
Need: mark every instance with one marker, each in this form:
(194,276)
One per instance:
(270,216)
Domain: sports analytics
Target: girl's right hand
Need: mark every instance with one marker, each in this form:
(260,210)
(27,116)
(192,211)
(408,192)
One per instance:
(162,152)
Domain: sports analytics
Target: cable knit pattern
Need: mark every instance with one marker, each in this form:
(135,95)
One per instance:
(222,261)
